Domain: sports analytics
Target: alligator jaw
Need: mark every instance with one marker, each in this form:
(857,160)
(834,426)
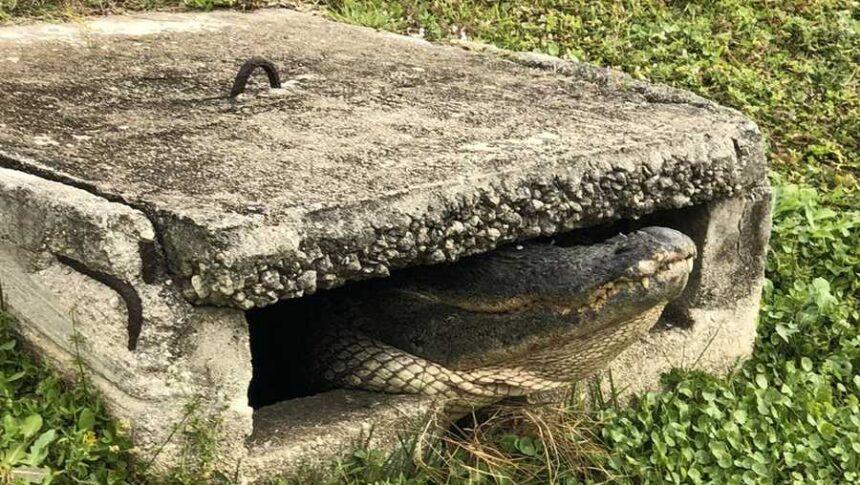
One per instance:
(619,314)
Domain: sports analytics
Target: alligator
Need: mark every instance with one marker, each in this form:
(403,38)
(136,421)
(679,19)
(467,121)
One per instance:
(516,321)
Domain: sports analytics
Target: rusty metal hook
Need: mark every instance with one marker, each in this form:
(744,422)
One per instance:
(248,68)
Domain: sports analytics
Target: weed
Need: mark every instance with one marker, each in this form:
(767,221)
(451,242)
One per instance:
(53,428)
(198,431)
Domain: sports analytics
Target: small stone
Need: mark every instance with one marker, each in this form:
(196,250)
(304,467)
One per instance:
(223,285)
(351,263)
(307,281)
(680,200)
(532,231)
(423,237)
(456,227)
(406,242)
(329,278)
(246,304)
(437,256)
(323,264)
(200,288)
(547,227)
(510,217)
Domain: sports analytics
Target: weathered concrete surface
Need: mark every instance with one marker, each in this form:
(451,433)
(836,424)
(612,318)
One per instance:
(43,216)
(381,151)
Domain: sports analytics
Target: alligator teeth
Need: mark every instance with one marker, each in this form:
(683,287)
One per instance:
(646,283)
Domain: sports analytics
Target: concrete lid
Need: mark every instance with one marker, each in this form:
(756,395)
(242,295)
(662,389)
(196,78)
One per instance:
(380,151)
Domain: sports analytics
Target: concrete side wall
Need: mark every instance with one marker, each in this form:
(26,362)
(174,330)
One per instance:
(56,243)
(49,218)
(733,236)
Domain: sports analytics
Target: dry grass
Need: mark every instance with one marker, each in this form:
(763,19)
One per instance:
(511,443)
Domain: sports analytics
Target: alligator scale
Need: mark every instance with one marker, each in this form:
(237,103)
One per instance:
(509,323)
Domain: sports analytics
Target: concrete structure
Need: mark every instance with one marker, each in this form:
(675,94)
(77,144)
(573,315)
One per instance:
(144,210)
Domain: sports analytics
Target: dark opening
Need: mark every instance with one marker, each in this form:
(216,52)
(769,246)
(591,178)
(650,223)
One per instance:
(688,220)
(280,334)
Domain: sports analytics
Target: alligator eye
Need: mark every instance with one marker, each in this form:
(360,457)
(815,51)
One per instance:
(622,249)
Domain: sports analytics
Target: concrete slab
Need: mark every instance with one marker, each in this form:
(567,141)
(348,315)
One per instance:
(381,151)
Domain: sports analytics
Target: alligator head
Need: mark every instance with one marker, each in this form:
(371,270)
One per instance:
(542,313)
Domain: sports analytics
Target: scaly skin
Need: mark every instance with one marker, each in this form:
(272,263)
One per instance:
(509,323)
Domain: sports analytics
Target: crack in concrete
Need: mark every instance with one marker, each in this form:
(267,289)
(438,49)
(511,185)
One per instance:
(150,261)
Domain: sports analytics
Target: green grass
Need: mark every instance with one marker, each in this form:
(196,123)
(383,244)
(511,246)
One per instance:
(790,414)
(53,427)
(27,10)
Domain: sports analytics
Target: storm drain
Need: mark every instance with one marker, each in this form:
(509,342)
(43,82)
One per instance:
(176,233)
